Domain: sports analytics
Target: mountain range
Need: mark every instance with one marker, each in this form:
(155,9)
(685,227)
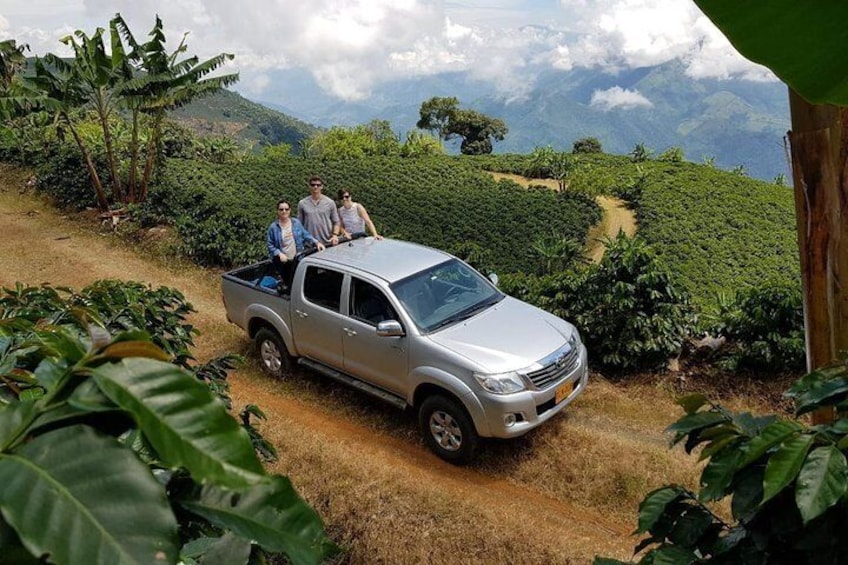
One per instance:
(729,122)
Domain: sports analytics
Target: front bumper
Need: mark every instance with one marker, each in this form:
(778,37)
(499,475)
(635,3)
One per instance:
(530,407)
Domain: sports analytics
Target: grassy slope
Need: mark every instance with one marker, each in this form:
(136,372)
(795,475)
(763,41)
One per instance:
(228,113)
(723,232)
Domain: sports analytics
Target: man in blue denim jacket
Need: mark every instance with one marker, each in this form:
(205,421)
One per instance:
(286,237)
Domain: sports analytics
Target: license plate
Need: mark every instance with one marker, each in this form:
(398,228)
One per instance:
(563,391)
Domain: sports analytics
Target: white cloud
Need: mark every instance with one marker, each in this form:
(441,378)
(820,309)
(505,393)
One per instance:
(617,97)
(352,45)
(637,33)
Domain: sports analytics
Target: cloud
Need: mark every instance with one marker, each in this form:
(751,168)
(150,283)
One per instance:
(617,97)
(352,45)
(618,34)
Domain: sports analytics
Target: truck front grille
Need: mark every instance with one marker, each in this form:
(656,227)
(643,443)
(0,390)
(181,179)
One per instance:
(563,363)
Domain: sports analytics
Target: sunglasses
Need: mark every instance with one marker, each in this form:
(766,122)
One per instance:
(315,184)
(286,209)
(345,196)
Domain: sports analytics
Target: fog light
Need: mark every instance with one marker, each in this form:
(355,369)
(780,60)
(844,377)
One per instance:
(509,420)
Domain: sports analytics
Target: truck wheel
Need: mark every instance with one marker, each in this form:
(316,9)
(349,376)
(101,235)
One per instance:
(448,429)
(273,355)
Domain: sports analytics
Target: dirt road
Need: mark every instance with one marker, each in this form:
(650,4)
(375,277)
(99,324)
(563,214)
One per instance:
(562,494)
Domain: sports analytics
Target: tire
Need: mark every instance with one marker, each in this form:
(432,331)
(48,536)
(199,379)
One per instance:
(447,429)
(273,356)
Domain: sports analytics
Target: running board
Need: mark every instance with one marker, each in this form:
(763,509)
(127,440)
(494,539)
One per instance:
(355,383)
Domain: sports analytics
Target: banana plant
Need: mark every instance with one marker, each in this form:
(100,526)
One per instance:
(163,82)
(101,74)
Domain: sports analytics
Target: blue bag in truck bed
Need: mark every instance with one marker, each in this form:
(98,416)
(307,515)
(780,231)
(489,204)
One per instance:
(269,282)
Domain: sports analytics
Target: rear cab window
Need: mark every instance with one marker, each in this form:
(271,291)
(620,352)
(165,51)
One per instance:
(323,287)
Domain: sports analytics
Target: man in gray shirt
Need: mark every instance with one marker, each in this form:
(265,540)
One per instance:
(319,214)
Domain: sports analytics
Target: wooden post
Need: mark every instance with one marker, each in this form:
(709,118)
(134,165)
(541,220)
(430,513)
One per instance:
(819,148)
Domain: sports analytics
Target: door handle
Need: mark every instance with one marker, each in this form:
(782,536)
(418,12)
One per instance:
(301,313)
(349,332)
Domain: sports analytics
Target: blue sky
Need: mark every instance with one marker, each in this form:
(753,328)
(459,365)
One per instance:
(350,46)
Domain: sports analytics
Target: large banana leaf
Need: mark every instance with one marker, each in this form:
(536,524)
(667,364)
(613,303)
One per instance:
(186,424)
(83,498)
(802,42)
(271,514)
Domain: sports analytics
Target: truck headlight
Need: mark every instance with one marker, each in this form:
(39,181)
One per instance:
(500,383)
(574,340)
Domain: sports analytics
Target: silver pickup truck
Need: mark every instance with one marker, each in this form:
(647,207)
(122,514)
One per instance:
(417,328)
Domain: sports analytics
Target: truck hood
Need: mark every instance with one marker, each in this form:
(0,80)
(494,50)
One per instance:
(509,336)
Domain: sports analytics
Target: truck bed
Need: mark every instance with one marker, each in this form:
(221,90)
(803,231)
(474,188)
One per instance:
(260,275)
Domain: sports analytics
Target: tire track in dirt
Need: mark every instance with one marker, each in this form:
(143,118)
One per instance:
(39,245)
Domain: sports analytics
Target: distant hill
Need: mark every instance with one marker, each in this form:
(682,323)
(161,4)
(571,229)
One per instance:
(736,122)
(229,113)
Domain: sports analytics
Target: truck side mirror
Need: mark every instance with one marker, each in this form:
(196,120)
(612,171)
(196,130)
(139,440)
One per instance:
(494,278)
(390,328)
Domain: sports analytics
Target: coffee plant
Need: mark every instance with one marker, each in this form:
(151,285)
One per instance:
(786,482)
(111,450)
(765,327)
(629,312)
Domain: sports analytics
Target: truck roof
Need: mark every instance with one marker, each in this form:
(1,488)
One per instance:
(389,259)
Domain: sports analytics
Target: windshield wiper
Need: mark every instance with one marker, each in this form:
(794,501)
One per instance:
(467,313)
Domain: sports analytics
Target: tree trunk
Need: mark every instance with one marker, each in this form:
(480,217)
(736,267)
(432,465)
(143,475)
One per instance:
(152,154)
(103,114)
(102,202)
(819,144)
(131,190)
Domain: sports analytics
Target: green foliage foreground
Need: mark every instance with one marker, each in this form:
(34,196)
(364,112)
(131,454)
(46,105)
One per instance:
(112,453)
(786,481)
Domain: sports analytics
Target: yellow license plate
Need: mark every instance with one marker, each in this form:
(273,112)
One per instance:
(563,391)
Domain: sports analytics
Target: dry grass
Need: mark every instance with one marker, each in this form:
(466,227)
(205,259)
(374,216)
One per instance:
(563,493)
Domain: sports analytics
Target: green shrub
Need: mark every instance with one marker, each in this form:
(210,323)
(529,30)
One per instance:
(640,153)
(627,309)
(765,326)
(540,163)
(555,253)
(786,483)
(632,191)
(64,177)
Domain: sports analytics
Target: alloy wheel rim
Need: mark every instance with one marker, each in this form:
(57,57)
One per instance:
(270,354)
(445,430)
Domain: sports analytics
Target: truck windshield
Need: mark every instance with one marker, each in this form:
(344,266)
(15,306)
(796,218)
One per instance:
(445,294)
